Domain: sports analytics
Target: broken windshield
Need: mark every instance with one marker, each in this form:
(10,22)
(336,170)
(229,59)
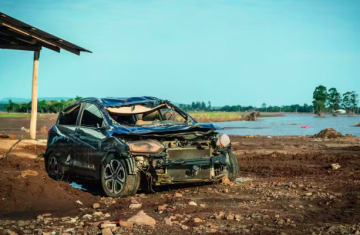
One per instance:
(139,115)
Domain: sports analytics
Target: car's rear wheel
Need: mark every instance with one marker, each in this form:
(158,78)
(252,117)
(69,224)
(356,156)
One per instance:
(233,167)
(115,179)
(54,167)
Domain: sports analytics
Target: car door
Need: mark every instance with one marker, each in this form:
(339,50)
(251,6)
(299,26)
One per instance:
(64,137)
(90,133)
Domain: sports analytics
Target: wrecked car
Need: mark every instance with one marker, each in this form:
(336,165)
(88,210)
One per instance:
(125,142)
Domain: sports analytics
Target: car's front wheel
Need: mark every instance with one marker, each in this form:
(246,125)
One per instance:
(115,180)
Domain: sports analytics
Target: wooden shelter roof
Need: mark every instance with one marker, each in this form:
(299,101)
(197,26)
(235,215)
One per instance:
(15,34)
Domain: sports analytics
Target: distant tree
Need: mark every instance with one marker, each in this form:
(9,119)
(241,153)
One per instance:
(209,105)
(77,98)
(203,106)
(354,101)
(264,107)
(319,96)
(305,108)
(333,100)
(10,106)
(346,102)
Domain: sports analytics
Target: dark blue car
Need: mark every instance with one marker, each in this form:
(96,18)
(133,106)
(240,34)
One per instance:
(124,141)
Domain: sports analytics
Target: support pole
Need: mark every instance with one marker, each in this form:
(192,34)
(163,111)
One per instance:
(34,93)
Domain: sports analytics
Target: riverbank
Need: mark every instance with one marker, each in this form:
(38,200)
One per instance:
(286,185)
(228,116)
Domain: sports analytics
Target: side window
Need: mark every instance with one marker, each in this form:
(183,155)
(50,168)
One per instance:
(69,116)
(92,116)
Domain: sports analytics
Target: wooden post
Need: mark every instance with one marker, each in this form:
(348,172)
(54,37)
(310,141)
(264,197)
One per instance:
(34,93)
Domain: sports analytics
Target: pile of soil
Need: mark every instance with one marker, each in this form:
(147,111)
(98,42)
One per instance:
(328,133)
(27,191)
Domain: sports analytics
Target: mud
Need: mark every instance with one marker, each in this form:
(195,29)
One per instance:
(289,187)
(328,133)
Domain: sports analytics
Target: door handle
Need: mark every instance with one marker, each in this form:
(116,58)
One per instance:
(77,135)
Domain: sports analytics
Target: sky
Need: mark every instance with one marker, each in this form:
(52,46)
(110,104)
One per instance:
(228,52)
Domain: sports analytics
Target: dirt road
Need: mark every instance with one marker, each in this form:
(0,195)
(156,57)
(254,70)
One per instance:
(289,188)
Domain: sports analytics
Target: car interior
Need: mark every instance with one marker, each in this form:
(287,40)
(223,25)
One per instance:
(144,116)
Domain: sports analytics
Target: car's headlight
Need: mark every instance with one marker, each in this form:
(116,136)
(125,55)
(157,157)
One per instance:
(223,141)
(146,146)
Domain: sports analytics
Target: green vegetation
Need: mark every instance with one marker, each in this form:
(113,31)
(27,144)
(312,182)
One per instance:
(14,115)
(320,96)
(324,101)
(195,107)
(49,106)
(331,101)
(226,116)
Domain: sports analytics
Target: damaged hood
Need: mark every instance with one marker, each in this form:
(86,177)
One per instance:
(165,129)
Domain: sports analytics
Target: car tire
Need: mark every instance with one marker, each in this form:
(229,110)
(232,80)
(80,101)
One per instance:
(53,167)
(134,183)
(115,178)
(233,167)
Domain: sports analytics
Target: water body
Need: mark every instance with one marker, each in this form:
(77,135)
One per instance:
(285,125)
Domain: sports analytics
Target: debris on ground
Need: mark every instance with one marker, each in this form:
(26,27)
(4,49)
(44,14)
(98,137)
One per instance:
(11,148)
(242,179)
(162,207)
(329,133)
(225,181)
(177,195)
(253,116)
(96,205)
(28,173)
(8,136)
(142,219)
(79,203)
(192,203)
(292,193)
(44,130)
(25,130)
(135,206)
(335,166)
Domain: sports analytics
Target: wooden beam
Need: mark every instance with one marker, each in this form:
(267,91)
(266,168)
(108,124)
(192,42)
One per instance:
(39,37)
(17,39)
(34,93)
(20,47)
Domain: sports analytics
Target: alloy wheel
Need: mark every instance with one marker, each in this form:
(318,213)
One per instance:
(114,175)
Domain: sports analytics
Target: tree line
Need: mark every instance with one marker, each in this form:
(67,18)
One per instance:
(323,101)
(331,101)
(44,106)
(201,106)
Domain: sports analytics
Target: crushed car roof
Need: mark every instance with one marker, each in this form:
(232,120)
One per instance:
(115,102)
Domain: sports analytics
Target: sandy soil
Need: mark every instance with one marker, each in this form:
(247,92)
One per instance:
(13,125)
(289,188)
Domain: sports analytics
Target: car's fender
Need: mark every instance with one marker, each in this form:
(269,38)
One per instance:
(121,150)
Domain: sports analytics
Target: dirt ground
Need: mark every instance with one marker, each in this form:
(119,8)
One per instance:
(13,125)
(289,188)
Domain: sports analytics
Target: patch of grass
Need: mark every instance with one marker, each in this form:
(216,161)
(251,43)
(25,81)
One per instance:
(217,116)
(19,115)
(11,115)
(226,116)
